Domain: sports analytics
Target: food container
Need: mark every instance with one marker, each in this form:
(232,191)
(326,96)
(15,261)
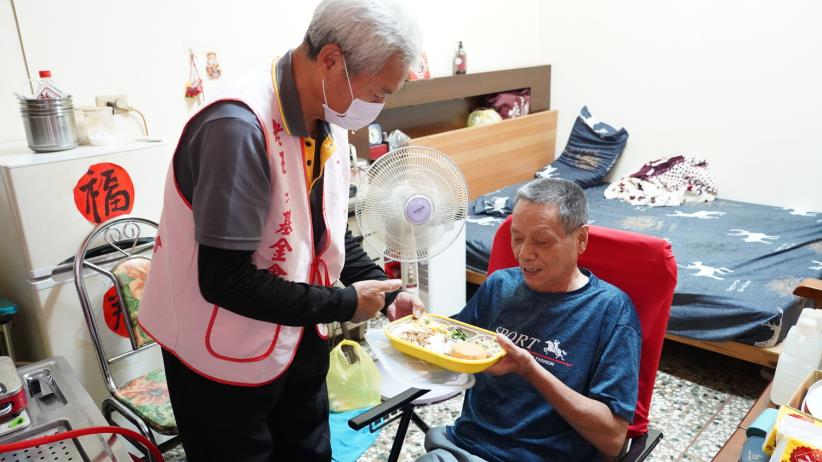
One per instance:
(98,124)
(12,395)
(432,337)
(812,404)
(799,398)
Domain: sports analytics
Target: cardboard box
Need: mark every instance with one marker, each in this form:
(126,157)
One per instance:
(794,406)
(799,394)
(771,442)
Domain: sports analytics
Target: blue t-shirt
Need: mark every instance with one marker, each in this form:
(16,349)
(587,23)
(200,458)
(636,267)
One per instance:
(589,339)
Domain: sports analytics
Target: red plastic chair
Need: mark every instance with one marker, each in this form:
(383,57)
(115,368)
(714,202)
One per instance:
(644,268)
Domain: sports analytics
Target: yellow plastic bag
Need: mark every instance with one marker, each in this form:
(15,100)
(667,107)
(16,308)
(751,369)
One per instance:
(353,379)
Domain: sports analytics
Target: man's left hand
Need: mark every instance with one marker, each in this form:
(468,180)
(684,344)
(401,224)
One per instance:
(404,305)
(516,361)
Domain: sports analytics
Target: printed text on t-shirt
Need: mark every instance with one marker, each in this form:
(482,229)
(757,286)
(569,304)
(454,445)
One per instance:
(550,347)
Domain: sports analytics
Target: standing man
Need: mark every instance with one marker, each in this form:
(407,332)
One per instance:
(253,236)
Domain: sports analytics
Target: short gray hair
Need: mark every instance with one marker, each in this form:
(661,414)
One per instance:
(367,31)
(566,195)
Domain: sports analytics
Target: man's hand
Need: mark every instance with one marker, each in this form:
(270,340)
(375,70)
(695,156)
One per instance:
(371,297)
(516,361)
(404,305)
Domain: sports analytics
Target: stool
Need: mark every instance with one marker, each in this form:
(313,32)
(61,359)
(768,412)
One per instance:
(7,312)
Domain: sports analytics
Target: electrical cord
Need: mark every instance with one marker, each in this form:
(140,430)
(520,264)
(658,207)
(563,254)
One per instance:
(145,125)
(115,105)
(156,455)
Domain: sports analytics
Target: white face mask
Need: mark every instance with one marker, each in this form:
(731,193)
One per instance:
(359,113)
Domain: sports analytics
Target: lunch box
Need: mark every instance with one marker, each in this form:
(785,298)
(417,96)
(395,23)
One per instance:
(469,366)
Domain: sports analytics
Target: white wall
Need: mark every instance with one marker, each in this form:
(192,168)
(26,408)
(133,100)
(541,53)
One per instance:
(12,77)
(140,48)
(737,83)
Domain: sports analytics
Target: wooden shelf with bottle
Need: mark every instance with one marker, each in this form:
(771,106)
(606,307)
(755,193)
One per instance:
(430,106)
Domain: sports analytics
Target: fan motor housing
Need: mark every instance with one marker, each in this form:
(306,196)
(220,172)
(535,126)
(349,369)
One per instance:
(419,209)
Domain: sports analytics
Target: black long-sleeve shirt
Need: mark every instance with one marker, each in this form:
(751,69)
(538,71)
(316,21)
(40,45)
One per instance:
(229,279)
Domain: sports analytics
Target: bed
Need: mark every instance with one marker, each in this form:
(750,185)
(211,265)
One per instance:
(735,282)
(739,263)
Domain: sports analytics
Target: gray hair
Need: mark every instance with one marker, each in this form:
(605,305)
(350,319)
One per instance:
(566,195)
(367,31)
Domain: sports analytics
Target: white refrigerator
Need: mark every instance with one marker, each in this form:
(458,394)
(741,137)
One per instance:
(48,204)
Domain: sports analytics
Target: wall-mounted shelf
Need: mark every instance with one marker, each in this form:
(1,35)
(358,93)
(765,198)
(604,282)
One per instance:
(427,107)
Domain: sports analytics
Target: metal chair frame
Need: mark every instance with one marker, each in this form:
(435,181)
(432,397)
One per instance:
(123,237)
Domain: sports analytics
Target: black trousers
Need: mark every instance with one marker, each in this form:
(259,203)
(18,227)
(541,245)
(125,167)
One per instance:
(286,420)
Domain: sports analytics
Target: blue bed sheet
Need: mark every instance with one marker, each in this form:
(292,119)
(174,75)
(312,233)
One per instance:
(738,262)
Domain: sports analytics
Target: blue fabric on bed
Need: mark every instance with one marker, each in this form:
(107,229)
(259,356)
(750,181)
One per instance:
(481,227)
(738,262)
(500,206)
(591,152)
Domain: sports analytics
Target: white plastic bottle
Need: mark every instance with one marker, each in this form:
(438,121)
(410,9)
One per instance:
(800,355)
(815,314)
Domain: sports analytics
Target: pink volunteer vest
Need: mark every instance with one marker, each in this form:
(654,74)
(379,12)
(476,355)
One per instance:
(213,341)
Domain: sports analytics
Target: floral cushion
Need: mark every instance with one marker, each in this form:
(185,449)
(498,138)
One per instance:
(131,274)
(148,397)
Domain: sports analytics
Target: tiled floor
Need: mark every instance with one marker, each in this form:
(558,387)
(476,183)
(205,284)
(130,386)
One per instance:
(699,399)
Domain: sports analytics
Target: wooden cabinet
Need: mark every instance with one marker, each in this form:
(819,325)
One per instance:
(426,107)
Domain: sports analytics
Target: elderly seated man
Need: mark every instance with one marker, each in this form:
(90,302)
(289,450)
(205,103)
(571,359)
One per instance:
(567,389)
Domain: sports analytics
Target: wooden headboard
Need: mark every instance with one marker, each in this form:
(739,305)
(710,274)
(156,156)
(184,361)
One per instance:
(498,155)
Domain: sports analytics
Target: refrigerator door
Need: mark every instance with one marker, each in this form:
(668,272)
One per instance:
(53,197)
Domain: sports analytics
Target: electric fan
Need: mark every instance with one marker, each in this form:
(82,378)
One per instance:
(411,205)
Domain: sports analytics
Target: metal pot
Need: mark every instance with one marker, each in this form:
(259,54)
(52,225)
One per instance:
(12,395)
(49,124)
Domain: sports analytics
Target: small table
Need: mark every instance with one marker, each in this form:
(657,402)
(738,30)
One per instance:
(733,446)
(57,403)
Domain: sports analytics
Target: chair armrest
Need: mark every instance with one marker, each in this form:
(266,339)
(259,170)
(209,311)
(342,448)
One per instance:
(386,408)
(641,446)
(811,289)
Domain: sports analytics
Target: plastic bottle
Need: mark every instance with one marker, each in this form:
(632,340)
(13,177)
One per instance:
(47,88)
(815,314)
(460,60)
(800,355)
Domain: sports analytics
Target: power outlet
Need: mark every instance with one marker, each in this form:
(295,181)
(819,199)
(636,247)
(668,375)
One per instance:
(118,100)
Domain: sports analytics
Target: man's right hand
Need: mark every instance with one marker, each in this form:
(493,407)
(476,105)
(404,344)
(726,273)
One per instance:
(371,297)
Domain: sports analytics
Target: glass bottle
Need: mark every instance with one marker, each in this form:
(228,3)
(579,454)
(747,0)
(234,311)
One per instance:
(460,58)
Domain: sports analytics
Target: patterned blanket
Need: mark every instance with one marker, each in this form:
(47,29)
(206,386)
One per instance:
(669,181)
